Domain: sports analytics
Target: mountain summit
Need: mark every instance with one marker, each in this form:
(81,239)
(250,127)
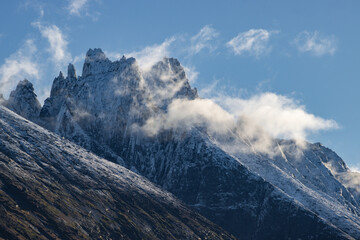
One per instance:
(24,101)
(298,193)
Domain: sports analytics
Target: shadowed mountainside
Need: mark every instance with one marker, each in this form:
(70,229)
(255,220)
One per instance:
(51,188)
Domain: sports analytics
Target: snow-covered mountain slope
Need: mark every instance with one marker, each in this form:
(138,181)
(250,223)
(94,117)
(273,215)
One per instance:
(252,195)
(51,188)
(350,179)
(302,174)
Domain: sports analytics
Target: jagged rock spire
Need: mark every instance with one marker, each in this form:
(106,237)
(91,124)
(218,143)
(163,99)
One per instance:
(23,101)
(95,54)
(169,76)
(95,62)
(71,71)
(61,75)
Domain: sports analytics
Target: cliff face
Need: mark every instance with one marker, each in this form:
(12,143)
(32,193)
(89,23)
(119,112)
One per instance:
(294,194)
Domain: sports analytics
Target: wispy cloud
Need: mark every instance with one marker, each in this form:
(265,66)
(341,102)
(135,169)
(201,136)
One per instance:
(24,63)
(355,168)
(315,43)
(191,73)
(280,116)
(257,120)
(183,113)
(253,42)
(150,55)
(18,66)
(76,6)
(203,39)
(35,5)
(41,12)
(58,43)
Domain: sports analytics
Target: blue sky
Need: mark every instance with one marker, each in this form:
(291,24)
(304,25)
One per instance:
(306,51)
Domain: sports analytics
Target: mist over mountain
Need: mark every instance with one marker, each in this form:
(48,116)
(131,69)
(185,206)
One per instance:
(227,167)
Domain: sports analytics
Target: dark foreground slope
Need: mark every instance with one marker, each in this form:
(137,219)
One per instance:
(52,189)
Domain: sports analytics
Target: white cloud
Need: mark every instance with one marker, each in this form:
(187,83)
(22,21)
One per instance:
(315,44)
(58,43)
(208,90)
(150,55)
(18,66)
(35,5)
(350,179)
(75,6)
(256,121)
(41,11)
(183,113)
(203,39)
(355,168)
(254,42)
(279,116)
(191,73)
(43,93)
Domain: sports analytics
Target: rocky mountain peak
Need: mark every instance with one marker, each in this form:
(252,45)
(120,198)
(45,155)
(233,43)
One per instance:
(25,84)
(175,66)
(95,54)
(61,75)
(71,71)
(23,101)
(59,91)
(95,62)
(168,80)
(171,66)
(58,84)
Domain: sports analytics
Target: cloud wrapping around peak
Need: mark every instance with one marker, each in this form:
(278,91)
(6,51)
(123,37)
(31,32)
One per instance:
(253,42)
(203,39)
(58,43)
(315,43)
(150,55)
(18,66)
(184,113)
(256,121)
(75,6)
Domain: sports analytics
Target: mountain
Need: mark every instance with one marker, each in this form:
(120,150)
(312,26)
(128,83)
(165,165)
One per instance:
(24,101)
(51,188)
(300,192)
